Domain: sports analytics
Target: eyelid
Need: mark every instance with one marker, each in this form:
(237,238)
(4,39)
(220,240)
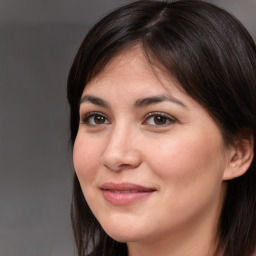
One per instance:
(85,117)
(170,118)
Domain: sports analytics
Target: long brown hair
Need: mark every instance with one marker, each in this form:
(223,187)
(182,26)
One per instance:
(213,58)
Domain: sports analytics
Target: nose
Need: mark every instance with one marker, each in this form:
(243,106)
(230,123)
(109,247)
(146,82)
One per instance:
(121,151)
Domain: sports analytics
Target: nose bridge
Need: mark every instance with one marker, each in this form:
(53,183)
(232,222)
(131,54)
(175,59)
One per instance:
(120,151)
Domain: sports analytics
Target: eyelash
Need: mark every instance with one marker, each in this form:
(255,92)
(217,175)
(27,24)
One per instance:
(166,117)
(85,119)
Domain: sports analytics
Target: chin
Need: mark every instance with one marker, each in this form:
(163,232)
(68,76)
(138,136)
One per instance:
(125,235)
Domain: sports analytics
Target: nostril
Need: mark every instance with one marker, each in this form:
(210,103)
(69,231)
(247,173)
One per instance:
(119,167)
(121,152)
(121,160)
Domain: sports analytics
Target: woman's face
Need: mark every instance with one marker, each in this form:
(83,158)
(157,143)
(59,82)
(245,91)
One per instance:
(149,158)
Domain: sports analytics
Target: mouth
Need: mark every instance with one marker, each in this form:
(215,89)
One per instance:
(119,194)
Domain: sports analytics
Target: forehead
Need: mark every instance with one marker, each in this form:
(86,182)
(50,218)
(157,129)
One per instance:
(130,78)
(123,61)
(133,66)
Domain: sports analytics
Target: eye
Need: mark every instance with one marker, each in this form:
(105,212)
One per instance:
(94,119)
(158,119)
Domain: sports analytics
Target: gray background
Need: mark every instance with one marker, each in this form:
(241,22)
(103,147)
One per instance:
(38,40)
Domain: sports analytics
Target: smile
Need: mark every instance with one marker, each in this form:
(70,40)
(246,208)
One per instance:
(124,193)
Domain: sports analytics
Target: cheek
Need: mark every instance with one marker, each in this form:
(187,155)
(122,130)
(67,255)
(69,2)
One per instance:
(85,158)
(185,159)
(190,172)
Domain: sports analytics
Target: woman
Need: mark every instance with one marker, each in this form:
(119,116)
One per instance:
(162,99)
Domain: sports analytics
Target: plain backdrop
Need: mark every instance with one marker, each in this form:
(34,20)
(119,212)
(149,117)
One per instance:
(38,40)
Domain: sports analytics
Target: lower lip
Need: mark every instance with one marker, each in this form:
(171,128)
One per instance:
(119,199)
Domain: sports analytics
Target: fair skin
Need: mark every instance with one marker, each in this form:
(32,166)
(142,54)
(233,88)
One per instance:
(139,128)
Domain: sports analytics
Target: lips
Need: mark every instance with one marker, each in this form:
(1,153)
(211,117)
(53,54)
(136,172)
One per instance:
(119,194)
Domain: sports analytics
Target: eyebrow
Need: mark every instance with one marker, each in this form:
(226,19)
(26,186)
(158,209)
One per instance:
(95,100)
(157,99)
(138,103)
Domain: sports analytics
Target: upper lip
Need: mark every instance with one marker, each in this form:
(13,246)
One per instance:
(125,187)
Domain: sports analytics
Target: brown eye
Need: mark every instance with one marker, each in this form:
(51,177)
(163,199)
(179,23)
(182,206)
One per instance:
(99,119)
(158,119)
(94,119)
